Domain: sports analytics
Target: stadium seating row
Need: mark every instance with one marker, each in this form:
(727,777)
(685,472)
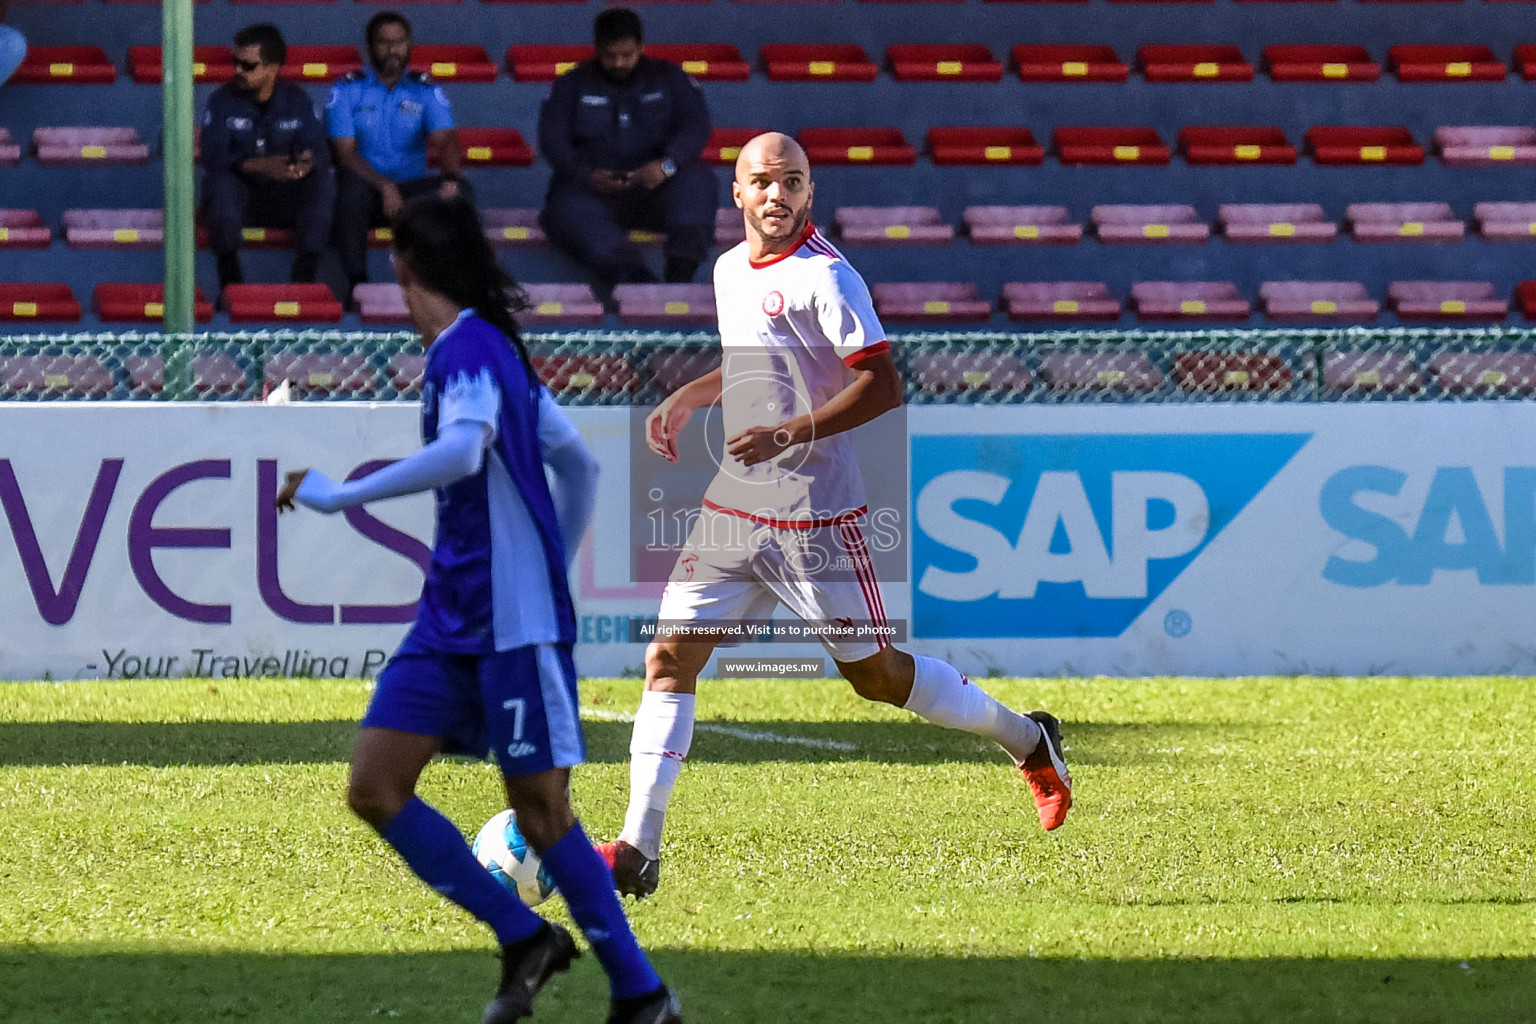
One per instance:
(121,146)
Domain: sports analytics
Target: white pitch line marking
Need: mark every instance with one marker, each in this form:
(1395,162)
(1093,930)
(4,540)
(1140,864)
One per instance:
(736,732)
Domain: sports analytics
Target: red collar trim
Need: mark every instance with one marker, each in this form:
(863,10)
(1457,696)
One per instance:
(810,229)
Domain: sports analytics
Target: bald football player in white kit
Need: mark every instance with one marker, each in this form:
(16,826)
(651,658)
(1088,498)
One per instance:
(804,361)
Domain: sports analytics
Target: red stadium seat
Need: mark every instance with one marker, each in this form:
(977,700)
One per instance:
(1059,300)
(957,145)
(930,302)
(1442,63)
(1317,300)
(666,305)
(55,375)
(1249,372)
(730,227)
(968,371)
(1109,145)
(210,65)
(315,373)
(10,152)
(568,305)
(380,304)
(885,146)
(83,147)
(26,302)
(24,229)
(893,225)
(1068,62)
(1360,372)
(1475,146)
(1188,300)
(1328,63)
(943,62)
(513,226)
(596,374)
(1099,370)
(1149,225)
(1350,144)
(669,369)
(459,62)
(404,371)
(64,65)
(1275,222)
(1445,300)
(280,303)
(1506,222)
(141,303)
(1525,297)
(215,372)
(709,62)
(1484,374)
(545,63)
(1236,144)
(724,144)
(1201,63)
(114,229)
(320,63)
(1404,222)
(1021,225)
(254,238)
(817,62)
(491,147)
(1525,61)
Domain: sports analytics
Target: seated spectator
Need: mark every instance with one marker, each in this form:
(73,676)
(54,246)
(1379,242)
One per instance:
(624,133)
(381,123)
(264,159)
(13,47)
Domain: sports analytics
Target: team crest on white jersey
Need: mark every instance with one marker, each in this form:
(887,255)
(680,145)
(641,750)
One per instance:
(773,303)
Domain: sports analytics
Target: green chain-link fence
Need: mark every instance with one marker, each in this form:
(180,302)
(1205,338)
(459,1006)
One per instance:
(630,367)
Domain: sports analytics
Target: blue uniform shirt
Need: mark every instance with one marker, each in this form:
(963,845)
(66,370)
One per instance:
(497,579)
(236,128)
(390,125)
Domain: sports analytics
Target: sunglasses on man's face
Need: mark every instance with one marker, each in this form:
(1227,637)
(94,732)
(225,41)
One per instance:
(247,65)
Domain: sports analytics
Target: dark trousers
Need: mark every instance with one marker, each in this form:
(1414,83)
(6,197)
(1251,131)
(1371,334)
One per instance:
(594,229)
(359,207)
(235,201)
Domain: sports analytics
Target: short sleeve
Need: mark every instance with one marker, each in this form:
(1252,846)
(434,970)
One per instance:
(846,314)
(466,384)
(338,114)
(439,113)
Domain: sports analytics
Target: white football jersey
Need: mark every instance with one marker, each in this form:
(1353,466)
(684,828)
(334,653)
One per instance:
(790,328)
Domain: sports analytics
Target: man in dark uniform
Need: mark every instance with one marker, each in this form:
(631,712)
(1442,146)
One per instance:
(381,122)
(264,159)
(624,134)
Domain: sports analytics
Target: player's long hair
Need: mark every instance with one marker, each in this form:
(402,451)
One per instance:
(444,244)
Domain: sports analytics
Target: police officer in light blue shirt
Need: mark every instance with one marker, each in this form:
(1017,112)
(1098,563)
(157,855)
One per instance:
(381,122)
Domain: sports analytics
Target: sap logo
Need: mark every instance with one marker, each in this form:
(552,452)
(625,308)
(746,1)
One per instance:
(1454,530)
(1070,535)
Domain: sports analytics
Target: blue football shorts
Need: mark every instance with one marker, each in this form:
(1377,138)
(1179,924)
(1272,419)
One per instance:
(520,705)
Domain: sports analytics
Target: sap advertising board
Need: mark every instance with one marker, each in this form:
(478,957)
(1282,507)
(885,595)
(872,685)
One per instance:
(1221,538)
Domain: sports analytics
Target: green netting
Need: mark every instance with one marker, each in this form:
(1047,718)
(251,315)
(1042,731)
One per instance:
(635,367)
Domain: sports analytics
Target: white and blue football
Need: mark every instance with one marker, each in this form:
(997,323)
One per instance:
(511,861)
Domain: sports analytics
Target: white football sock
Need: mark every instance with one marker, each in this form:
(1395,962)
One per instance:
(658,746)
(945,697)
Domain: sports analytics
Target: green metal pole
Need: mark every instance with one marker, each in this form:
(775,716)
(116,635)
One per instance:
(176,58)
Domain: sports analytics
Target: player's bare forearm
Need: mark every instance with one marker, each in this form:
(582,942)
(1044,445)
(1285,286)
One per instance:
(875,391)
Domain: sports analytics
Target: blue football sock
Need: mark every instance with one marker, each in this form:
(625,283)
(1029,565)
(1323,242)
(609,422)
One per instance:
(587,885)
(437,852)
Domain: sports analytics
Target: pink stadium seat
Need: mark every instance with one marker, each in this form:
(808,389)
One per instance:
(960,145)
(55,375)
(817,62)
(216,373)
(1109,145)
(1485,374)
(1188,300)
(1317,300)
(943,62)
(513,226)
(1404,222)
(1328,63)
(568,305)
(24,229)
(280,303)
(491,147)
(893,225)
(730,227)
(1149,225)
(114,229)
(460,62)
(10,152)
(670,369)
(968,371)
(64,65)
(709,62)
(545,63)
(1469,146)
(1236,144)
(1351,144)
(1275,222)
(26,302)
(404,371)
(1021,225)
(1059,300)
(666,305)
(878,145)
(1358,372)
(210,64)
(1099,370)
(930,302)
(607,374)
(82,147)
(320,63)
(141,303)
(320,374)
(1201,63)
(1446,63)
(1506,222)
(1056,62)
(381,304)
(1242,371)
(1446,300)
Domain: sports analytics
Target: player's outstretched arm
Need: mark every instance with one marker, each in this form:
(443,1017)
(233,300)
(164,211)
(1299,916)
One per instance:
(457,452)
(573,471)
(874,391)
(666,422)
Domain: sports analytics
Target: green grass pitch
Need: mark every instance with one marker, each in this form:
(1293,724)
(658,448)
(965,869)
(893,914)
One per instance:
(1301,850)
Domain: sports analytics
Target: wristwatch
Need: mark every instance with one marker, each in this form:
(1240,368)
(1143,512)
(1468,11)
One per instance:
(668,166)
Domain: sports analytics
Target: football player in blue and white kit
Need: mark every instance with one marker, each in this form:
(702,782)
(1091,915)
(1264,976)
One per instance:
(487,664)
